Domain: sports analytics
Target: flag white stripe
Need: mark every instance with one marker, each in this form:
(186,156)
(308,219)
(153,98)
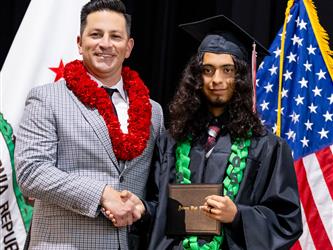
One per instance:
(305,240)
(320,192)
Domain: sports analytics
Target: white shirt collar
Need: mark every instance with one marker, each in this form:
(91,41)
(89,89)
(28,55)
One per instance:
(119,86)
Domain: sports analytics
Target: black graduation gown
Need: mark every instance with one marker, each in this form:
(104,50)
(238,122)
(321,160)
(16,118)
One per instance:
(269,214)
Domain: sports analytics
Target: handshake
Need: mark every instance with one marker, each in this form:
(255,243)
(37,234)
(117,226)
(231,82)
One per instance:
(122,208)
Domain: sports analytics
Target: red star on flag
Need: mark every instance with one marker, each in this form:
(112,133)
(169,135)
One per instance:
(59,71)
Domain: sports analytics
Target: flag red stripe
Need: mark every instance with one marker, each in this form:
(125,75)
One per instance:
(316,227)
(296,246)
(325,159)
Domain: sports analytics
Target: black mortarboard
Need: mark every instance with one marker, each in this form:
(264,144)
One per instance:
(219,34)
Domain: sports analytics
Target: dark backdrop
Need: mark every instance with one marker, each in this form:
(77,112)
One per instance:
(161,49)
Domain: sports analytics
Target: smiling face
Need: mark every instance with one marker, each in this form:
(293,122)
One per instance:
(104,45)
(218,74)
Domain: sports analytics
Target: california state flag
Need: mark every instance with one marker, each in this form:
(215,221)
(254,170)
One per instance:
(45,41)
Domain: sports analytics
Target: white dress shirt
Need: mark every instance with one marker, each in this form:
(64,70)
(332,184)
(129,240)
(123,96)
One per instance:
(120,102)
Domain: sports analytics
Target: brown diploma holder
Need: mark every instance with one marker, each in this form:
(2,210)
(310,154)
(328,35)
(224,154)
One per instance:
(184,214)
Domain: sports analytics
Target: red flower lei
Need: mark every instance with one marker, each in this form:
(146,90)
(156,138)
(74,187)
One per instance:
(125,146)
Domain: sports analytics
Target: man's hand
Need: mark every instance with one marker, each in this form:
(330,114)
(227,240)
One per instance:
(220,208)
(122,211)
(122,208)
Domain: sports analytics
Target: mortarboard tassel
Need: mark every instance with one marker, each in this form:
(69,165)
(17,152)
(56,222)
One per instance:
(254,75)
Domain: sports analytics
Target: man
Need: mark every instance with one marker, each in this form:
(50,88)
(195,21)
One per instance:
(260,206)
(78,148)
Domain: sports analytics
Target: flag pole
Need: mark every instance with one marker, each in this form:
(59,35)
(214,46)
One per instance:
(283,38)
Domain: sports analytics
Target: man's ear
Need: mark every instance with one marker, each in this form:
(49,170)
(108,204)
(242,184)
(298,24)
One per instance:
(79,43)
(130,45)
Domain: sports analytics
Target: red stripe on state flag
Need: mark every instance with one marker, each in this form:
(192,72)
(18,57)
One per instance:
(316,227)
(325,159)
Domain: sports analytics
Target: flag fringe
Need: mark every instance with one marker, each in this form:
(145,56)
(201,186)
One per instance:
(321,35)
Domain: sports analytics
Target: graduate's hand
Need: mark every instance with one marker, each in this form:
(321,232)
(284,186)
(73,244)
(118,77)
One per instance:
(139,208)
(220,208)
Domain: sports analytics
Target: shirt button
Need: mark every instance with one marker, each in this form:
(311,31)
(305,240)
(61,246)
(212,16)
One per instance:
(121,179)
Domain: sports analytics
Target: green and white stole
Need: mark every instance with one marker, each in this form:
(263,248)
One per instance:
(231,182)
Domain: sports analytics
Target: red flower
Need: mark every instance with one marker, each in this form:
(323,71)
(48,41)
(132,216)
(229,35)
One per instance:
(125,146)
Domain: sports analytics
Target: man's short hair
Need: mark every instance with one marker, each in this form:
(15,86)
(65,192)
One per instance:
(100,5)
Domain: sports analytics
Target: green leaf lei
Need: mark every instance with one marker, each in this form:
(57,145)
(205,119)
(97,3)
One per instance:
(234,176)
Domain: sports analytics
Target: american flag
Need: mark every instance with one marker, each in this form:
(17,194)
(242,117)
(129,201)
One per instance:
(306,114)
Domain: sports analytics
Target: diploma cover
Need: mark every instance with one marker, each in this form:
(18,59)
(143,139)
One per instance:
(184,214)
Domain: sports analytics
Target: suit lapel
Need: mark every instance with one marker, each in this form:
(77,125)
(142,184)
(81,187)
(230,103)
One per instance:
(218,161)
(97,123)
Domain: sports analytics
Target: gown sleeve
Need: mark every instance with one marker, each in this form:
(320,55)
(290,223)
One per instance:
(152,200)
(273,220)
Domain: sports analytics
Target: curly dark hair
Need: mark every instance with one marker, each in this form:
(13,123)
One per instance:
(189,108)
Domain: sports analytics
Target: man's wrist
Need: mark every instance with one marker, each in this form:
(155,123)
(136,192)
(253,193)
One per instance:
(105,194)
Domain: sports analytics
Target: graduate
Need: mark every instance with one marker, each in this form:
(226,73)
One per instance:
(216,136)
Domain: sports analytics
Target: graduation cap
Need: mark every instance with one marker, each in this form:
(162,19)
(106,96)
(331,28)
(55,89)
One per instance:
(219,34)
